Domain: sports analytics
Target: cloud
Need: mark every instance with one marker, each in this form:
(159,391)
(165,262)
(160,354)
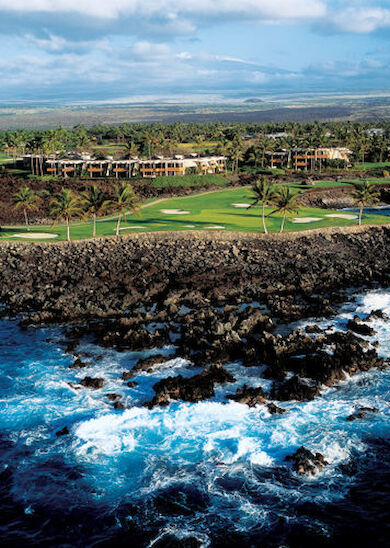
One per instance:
(360,20)
(261,9)
(55,44)
(130,46)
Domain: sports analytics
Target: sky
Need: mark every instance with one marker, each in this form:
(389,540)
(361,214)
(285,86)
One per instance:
(96,50)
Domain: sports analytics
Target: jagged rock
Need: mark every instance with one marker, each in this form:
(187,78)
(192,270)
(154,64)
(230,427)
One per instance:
(313,329)
(71,346)
(193,389)
(89,382)
(275,410)
(126,375)
(113,397)
(357,326)
(306,462)
(147,364)
(377,314)
(63,432)
(131,384)
(294,389)
(78,364)
(362,413)
(249,396)
(119,405)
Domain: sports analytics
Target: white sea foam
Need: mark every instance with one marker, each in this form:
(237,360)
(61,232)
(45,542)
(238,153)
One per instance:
(129,454)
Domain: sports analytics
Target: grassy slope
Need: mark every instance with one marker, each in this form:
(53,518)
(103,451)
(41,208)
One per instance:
(190,180)
(206,210)
(371,165)
(4,159)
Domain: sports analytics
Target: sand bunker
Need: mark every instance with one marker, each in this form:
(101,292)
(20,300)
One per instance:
(215,227)
(190,226)
(35,235)
(174,212)
(341,216)
(128,227)
(243,206)
(303,220)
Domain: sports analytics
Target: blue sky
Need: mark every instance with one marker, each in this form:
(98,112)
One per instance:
(96,50)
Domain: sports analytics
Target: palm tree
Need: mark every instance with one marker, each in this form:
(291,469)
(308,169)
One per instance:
(364,194)
(124,201)
(264,193)
(94,202)
(131,149)
(286,202)
(235,152)
(25,199)
(65,205)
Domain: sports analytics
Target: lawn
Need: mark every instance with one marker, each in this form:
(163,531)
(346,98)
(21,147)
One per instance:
(205,211)
(371,165)
(330,184)
(190,180)
(4,159)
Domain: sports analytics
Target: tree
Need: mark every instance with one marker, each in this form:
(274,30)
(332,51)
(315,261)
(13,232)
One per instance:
(25,199)
(131,149)
(94,202)
(124,201)
(364,194)
(264,193)
(65,205)
(286,202)
(235,152)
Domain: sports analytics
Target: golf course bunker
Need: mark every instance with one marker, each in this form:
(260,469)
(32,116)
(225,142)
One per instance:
(129,227)
(190,226)
(214,227)
(242,206)
(174,212)
(341,216)
(35,235)
(304,220)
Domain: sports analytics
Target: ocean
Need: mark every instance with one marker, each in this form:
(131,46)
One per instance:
(206,474)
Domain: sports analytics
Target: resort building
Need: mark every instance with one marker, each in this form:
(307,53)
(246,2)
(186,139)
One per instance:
(81,165)
(313,158)
(303,158)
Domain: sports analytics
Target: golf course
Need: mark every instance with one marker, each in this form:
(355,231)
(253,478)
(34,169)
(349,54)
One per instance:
(212,211)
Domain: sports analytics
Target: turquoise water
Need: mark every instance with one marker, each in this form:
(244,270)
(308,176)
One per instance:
(213,472)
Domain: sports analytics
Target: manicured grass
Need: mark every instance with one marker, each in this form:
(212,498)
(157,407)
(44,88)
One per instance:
(205,210)
(4,159)
(190,180)
(371,165)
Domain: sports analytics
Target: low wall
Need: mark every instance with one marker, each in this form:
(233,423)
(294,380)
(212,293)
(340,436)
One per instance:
(101,277)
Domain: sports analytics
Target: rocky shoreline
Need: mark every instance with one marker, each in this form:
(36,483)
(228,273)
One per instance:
(215,298)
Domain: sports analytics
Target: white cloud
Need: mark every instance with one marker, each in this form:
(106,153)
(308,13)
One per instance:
(361,20)
(53,43)
(262,9)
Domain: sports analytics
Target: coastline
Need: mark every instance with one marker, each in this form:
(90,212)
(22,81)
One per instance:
(107,276)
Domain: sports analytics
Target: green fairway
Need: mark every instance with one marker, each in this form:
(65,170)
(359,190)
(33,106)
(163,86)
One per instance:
(190,180)
(207,211)
(371,165)
(4,159)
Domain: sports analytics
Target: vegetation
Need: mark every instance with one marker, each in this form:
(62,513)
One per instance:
(190,181)
(286,202)
(245,144)
(364,194)
(65,205)
(265,194)
(25,199)
(124,201)
(95,202)
(215,210)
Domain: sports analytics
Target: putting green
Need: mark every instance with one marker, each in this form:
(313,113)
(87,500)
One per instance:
(214,210)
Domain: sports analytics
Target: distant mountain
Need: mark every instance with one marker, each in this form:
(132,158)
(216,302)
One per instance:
(253,100)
